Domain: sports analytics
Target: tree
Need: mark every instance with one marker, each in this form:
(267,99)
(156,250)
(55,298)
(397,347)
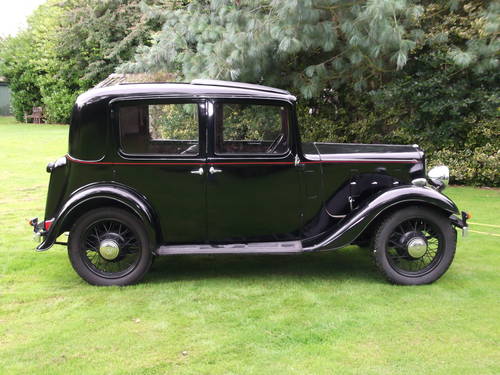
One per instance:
(96,36)
(69,47)
(24,59)
(396,71)
(448,108)
(302,44)
(447,97)
(306,45)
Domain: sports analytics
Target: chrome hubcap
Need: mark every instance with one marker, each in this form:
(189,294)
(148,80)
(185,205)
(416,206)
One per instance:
(109,249)
(417,247)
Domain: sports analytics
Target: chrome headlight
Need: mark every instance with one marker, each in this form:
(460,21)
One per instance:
(439,175)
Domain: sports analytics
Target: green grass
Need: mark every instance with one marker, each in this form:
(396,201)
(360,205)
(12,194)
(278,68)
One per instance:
(325,313)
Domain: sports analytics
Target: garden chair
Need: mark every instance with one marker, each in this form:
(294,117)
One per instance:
(36,115)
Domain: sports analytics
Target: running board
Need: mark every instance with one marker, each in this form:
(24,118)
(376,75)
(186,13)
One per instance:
(289,247)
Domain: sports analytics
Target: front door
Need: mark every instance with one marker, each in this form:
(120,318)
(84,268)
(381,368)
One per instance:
(253,190)
(162,156)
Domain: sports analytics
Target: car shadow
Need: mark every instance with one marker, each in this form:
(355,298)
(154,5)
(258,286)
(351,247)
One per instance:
(352,262)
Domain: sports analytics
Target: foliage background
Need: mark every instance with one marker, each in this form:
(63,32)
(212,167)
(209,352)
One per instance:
(68,47)
(387,71)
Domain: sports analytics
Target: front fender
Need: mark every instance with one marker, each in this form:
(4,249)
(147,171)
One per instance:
(359,219)
(113,193)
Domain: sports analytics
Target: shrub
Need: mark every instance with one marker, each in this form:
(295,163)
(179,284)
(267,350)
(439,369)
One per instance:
(478,163)
(473,156)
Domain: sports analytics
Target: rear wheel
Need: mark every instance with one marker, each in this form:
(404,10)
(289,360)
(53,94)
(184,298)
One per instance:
(109,246)
(414,246)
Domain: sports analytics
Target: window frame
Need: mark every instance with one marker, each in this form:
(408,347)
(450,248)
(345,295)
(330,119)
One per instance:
(202,112)
(270,102)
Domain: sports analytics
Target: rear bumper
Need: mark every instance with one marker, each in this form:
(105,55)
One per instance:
(461,222)
(40,230)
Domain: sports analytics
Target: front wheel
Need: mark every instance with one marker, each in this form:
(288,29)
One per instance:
(414,246)
(109,246)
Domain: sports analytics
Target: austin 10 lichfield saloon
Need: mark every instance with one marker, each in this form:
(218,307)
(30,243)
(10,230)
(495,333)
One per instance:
(214,167)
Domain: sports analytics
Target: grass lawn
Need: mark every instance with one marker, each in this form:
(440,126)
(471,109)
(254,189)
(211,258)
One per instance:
(327,313)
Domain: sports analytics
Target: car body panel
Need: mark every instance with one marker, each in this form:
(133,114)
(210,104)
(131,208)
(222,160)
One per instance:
(353,224)
(94,196)
(253,201)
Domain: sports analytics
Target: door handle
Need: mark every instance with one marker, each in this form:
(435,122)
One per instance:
(198,171)
(212,170)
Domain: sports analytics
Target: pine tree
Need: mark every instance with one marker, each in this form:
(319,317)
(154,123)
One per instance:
(309,45)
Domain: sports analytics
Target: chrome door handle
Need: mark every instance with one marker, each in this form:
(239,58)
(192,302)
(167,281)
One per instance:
(212,170)
(198,171)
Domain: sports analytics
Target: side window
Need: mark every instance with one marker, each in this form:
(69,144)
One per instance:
(243,128)
(170,129)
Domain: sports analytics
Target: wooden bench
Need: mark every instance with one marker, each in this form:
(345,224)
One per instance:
(36,115)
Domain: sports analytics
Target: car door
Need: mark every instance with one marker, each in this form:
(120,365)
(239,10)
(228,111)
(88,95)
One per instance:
(253,190)
(162,156)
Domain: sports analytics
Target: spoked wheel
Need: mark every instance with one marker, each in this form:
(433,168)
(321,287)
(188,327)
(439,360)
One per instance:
(414,246)
(109,247)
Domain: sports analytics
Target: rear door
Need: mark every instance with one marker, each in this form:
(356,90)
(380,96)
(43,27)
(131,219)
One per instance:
(253,191)
(162,156)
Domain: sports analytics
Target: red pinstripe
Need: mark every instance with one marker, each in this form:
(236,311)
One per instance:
(241,163)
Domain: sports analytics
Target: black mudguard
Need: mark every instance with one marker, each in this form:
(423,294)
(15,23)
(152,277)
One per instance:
(116,194)
(358,220)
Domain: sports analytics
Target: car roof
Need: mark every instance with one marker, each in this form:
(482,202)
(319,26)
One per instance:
(197,88)
(248,86)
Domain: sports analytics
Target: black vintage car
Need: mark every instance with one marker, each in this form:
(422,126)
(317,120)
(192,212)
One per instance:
(214,167)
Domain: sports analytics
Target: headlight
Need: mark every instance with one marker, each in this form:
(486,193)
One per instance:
(439,175)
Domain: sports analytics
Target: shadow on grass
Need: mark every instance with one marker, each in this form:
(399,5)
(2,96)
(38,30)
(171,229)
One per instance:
(352,262)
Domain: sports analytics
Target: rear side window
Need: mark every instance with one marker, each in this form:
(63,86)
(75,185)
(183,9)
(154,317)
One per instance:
(170,129)
(248,128)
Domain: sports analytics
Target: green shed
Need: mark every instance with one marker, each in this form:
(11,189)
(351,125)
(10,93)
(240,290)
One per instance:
(4,97)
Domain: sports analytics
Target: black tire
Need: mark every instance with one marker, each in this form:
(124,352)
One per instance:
(400,263)
(128,237)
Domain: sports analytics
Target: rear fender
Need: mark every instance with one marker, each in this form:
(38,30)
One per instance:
(359,219)
(100,195)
